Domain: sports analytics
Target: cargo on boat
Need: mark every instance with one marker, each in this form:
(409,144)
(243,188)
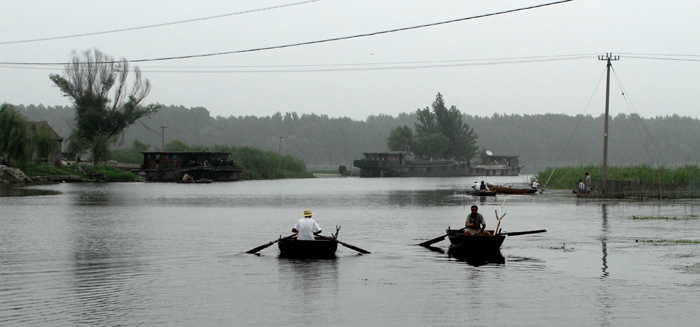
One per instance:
(396,164)
(171,166)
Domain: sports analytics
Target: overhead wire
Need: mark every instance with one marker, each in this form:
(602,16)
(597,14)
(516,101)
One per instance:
(628,102)
(157,25)
(345,66)
(318,41)
(580,118)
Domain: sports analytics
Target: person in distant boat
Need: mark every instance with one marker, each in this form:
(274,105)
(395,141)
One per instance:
(588,183)
(475,187)
(581,187)
(475,223)
(483,187)
(536,184)
(306,227)
(187,178)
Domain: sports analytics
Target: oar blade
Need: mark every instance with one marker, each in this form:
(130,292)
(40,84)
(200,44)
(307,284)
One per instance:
(525,232)
(433,241)
(354,247)
(259,248)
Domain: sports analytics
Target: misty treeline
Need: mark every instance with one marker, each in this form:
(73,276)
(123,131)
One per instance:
(547,140)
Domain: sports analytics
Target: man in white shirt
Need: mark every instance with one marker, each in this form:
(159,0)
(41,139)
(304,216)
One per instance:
(306,227)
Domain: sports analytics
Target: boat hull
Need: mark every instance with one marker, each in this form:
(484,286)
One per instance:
(475,243)
(481,193)
(319,248)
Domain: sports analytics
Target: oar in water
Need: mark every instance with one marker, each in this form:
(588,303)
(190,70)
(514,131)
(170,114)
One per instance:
(525,232)
(345,244)
(438,239)
(255,250)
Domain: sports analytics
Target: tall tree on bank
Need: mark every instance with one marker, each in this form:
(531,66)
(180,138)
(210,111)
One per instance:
(99,119)
(400,138)
(440,133)
(14,135)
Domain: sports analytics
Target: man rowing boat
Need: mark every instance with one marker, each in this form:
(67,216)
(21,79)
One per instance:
(306,227)
(475,223)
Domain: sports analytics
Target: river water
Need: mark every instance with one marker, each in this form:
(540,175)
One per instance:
(156,254)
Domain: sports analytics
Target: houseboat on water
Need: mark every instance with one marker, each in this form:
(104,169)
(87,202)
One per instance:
(171,166)
(396,164)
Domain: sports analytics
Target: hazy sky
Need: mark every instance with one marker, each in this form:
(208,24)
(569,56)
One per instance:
(483,66)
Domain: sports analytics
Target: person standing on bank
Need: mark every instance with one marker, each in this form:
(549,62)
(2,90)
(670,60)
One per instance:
(588,183)
(475,223)
(306,227)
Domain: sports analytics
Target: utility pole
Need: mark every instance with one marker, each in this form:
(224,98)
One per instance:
(280,148)
(163,137)
(608,57)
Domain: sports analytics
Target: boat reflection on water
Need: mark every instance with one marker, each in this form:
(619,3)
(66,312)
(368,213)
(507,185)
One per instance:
(477,259)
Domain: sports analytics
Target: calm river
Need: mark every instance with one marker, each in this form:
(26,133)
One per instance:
(142,254)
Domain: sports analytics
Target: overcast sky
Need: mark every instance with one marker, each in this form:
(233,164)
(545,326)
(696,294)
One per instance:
(482,66)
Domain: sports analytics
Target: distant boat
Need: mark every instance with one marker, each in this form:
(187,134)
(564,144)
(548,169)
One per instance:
(510,190)
(481,193)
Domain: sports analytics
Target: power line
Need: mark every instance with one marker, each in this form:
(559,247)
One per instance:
(158,25)
(343,67)
(321,41)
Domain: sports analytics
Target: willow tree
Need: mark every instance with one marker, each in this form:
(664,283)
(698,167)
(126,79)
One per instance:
(14,134)
(104,106)
(440,133)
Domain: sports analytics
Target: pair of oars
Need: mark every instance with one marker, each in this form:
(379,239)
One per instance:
(350,246)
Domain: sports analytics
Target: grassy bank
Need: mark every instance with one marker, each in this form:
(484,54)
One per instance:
(108,174)
(567,177)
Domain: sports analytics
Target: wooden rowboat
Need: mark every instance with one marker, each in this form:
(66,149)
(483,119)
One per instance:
(510,190)
(477,243)
(481,243)
(320,248)
(481,193)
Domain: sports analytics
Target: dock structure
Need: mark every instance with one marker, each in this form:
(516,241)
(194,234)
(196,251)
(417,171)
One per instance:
(171,166)
(396,164)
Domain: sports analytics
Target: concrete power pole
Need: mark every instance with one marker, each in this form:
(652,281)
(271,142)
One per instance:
(280,148)
(608,57)
(163,137)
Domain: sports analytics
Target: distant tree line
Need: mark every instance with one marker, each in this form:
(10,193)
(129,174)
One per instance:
(548,140)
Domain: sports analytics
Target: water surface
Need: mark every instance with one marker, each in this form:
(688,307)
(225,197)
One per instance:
(174,255)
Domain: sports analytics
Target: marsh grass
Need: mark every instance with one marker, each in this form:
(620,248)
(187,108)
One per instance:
(664,241)
(686,217)
(567,177)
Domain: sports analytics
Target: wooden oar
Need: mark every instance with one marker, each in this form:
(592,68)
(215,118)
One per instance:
(438,239)
(255,250)
(525,232)
(345,244)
